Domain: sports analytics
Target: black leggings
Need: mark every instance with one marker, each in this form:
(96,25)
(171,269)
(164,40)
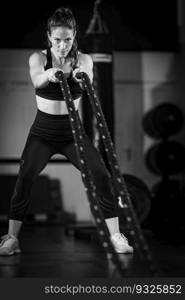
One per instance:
(35,157)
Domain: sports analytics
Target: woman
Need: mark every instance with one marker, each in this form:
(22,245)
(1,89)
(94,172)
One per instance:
(51,131)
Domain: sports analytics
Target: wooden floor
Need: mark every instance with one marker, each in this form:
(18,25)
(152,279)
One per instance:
(50,251)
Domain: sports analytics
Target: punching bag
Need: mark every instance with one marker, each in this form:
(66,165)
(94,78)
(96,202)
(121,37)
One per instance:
(97,42)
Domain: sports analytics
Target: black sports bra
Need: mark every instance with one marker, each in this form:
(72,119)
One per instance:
(53,91)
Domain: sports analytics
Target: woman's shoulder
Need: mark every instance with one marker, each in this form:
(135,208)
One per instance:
(84,58)
(38,56)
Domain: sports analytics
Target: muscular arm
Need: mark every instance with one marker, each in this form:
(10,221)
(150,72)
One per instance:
(40,77)
(85,64)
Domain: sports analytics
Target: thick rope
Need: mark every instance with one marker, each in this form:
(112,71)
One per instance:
(90,188)
(118,183)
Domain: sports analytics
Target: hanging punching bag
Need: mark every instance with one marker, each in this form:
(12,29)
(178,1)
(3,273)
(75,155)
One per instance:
(98,43)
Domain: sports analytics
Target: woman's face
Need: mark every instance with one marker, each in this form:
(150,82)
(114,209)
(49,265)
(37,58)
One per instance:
(61,39)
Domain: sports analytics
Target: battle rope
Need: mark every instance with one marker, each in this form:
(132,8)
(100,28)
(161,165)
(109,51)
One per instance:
(119,185)
(90,188)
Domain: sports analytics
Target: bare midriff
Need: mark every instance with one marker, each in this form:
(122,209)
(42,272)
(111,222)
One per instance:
(54,107)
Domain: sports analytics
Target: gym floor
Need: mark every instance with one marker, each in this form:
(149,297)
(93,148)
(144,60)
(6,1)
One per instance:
(51,251)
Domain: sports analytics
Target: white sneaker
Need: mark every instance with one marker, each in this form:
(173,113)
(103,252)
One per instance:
(120,243)
(9,245)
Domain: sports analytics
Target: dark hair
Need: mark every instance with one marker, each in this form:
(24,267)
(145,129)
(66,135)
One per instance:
(63,17)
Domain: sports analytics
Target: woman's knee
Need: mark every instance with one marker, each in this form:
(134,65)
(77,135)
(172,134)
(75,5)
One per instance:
(27,174)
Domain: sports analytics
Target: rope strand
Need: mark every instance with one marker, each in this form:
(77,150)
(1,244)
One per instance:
(90,188)
(120,189)
(119,186)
